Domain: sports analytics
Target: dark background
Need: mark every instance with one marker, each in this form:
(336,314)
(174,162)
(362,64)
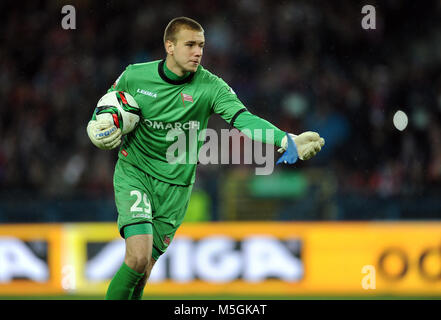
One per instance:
(302,65)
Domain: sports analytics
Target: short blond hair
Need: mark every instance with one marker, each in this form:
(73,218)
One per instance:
(177,24)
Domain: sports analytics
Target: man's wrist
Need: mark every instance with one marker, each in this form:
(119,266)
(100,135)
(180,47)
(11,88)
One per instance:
(284,139)
(278,137)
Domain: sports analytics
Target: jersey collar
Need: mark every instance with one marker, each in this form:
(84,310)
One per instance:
(164,77)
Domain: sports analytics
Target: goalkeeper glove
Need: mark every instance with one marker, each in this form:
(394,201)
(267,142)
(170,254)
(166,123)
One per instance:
(104,134)
(305,146)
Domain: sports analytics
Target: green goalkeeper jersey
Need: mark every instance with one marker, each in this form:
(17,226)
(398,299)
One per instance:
(170,103)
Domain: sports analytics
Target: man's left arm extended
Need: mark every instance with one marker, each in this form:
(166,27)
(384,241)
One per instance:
(231,109)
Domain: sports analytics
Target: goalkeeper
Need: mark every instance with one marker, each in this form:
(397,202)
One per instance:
(151,194)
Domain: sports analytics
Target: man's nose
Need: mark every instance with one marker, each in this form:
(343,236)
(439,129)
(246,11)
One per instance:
(198,52)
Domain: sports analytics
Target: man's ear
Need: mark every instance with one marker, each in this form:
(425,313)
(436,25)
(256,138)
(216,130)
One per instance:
(169,47)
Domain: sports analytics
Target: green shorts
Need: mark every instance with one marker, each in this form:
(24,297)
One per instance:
(153,206)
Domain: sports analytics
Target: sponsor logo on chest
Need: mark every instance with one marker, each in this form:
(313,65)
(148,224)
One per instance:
(160,125)
(147,93)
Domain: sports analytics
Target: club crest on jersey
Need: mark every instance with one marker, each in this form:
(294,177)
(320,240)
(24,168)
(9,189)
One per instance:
(186,97)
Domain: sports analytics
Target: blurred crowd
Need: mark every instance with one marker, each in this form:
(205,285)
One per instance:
(302,65)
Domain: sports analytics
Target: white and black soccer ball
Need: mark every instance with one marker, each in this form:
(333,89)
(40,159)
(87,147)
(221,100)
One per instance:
(120,108)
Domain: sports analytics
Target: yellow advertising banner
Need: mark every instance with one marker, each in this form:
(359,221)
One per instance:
(31,259)
(284,258)
(246,258)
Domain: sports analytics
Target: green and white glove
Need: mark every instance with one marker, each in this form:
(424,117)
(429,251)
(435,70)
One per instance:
(308,144)
(104,134)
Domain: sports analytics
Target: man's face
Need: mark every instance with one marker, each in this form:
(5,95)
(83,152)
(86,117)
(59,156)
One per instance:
(187,49)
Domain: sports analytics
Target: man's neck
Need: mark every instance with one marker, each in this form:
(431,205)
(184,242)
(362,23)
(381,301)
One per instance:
(171,66)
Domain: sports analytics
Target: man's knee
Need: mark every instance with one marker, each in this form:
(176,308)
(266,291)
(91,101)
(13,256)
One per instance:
(138,263)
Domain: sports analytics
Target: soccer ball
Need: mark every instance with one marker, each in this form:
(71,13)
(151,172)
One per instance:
(120,108)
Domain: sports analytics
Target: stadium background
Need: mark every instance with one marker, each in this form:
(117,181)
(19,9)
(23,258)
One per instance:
(371,197)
